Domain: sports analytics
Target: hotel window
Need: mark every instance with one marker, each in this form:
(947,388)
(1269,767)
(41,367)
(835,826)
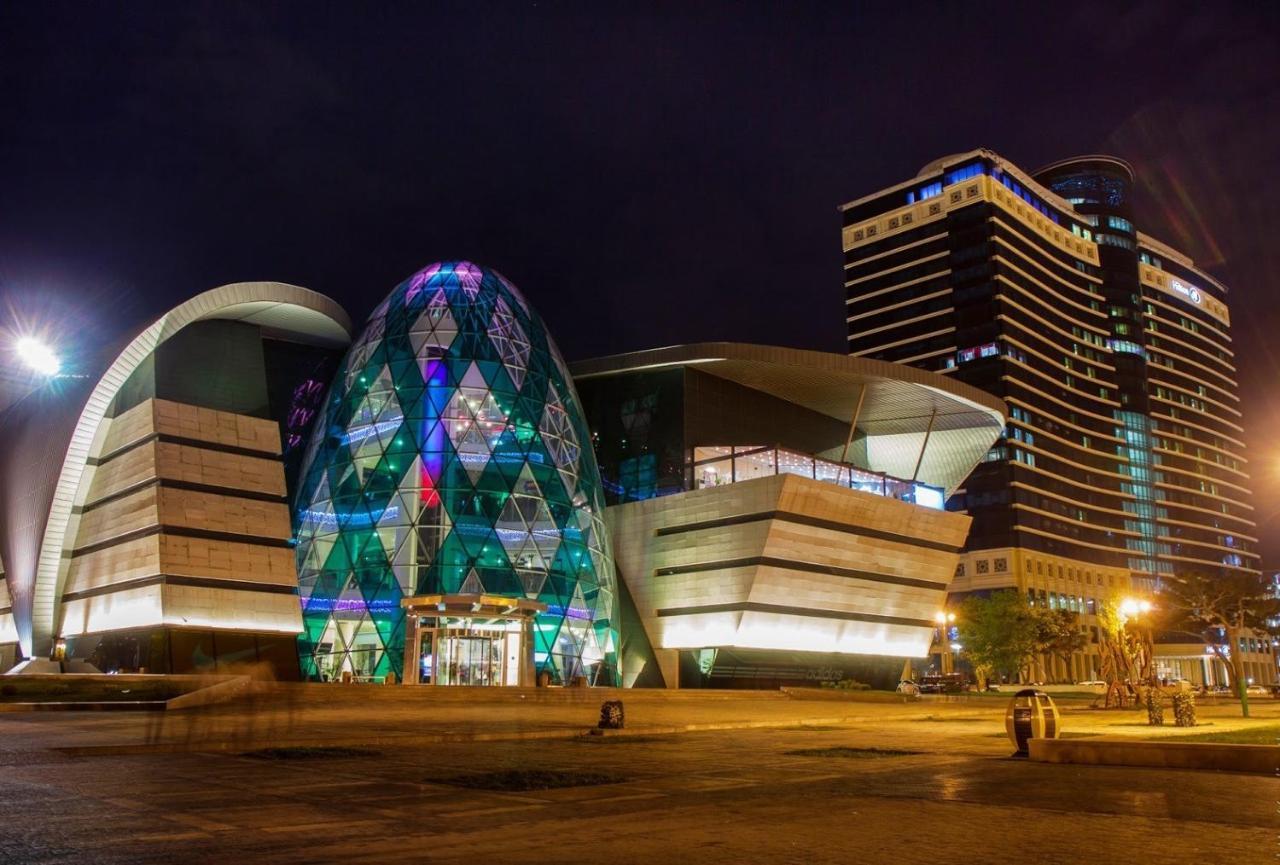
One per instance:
(958,175)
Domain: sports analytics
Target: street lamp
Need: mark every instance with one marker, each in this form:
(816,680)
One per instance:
(37,355)
(945,620)
(1144,640)
(1131,607)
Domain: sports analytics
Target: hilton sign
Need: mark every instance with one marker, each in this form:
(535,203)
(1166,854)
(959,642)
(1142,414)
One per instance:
(1190,292)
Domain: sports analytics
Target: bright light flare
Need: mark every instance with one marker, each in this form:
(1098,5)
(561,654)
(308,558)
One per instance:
(37,355)
(1130,607)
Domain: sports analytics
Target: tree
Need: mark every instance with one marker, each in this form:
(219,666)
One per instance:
(1127,648)
(1058,633)
(999,633)
(1234,605)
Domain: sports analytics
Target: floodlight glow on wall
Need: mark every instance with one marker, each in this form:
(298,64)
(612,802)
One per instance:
(37,356)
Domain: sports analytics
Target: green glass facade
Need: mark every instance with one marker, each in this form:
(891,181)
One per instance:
(452,458)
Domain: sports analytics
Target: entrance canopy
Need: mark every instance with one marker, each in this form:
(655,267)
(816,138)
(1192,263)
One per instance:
(469,639)
(472,606)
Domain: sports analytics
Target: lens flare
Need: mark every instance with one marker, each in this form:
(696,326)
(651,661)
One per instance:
(37,355)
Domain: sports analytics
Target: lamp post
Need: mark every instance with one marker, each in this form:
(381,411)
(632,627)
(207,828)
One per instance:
(945,620)
(1143,651)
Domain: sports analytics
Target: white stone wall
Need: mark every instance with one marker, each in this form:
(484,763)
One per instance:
(8,627)
(893,562)
(136,529)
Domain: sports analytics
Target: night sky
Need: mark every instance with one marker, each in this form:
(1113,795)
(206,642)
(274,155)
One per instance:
(646,177)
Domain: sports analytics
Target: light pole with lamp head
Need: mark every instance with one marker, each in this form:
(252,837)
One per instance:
(945,620)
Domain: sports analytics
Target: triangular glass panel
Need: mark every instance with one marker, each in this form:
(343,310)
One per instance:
(471,585)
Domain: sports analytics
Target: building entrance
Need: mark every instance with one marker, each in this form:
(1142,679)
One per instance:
(471,653)
(473,640)
(471,661)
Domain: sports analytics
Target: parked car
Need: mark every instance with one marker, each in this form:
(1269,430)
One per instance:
(908,688)
(1256,691)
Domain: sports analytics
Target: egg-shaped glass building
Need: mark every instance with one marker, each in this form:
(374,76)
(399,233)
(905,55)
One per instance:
(449,520)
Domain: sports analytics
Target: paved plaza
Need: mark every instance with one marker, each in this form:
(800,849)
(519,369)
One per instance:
(379,783)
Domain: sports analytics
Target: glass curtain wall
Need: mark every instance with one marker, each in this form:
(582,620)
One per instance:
(452,458)
(715,465)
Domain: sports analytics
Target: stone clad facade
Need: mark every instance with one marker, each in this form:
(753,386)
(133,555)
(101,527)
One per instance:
(785,563)
(185,525)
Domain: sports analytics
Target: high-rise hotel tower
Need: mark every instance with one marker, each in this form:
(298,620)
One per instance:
(1122,461)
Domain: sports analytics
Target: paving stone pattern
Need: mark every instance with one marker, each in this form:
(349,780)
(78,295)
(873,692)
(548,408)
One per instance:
(717,796)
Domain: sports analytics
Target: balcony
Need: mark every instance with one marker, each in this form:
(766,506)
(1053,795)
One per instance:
(717,465)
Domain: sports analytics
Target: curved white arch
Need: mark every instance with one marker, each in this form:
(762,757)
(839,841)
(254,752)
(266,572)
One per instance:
(276,306)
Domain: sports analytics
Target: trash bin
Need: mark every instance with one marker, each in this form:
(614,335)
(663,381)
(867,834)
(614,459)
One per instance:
(1031,715)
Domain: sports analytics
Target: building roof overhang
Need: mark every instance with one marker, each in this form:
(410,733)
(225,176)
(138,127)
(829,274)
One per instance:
(910,416)
(52,433)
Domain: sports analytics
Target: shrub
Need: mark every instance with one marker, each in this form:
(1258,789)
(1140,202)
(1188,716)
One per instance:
(1155,708)
(1184,709)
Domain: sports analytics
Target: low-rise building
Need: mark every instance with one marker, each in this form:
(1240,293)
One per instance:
(776,514)
(228,487)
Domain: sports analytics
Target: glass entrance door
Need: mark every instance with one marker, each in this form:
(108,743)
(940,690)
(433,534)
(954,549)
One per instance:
(471,651)
(470,659)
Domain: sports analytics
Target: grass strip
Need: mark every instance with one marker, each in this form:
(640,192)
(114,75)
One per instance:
(852,753)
